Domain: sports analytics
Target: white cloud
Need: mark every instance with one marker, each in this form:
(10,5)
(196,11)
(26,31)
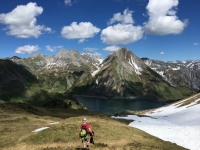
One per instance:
(49,48)
(163,19)
(196,44)
(112,48)
(81,41)
(21,21)
(124,32)
(90,49)
(126,18)
(121,34)
(27,49)
(80,31)
(162,53)
(54,48)
(68,2)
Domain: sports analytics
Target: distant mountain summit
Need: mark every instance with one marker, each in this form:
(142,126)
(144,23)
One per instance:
(63,60)
(15,57)
(179,73)
(120,74)
(123,74)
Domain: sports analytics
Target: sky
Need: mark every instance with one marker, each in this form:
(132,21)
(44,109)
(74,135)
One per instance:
(166,30)
(175,123)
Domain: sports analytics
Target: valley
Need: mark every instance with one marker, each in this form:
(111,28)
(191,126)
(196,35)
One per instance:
(41,92)
(70,73)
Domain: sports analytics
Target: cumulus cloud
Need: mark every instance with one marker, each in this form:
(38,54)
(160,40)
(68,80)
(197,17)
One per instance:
(121,34)
(163,19)
(27,49)
(54,48)
(111,48)
(162,53)
(90,49)
(196,44)
(124,18)
(79,31)
(124,32)
(68,2)
(22,23)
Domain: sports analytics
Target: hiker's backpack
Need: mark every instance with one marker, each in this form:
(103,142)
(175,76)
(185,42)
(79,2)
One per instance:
(83,132)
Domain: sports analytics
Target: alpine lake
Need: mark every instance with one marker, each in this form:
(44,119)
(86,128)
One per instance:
(114,106)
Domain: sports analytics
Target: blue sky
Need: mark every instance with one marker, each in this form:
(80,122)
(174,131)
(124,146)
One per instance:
(166,30)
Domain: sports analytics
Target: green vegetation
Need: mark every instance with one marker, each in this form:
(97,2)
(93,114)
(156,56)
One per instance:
(20,85)
(18,120)
(54,91)
(15,79)
(155,87)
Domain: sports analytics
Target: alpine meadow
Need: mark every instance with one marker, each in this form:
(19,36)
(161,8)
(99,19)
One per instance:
(99,75)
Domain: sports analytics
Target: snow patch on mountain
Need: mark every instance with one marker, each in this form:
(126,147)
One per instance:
(95,72)
(178,68)
(178,123)
(40,129)
(137,69)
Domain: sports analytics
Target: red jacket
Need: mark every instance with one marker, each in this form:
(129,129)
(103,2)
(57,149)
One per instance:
(87,127)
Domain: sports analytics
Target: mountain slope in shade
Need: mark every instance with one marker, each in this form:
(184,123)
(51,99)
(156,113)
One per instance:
(14,79)
(123,74)
(178,122)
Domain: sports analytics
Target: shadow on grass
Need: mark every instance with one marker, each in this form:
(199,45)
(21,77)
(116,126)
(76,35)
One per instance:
(99,145)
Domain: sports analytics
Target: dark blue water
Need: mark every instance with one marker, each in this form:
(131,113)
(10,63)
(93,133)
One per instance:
(113,106)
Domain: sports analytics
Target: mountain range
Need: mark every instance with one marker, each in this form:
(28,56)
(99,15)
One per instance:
(120,74)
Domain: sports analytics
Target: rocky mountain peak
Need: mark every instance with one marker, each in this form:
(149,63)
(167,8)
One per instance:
(122,53)
(15,57)
(38,55)
(126,60)
(74,51)
(122,73)
(179,73)
(129,60)
(66,53)
(63,53)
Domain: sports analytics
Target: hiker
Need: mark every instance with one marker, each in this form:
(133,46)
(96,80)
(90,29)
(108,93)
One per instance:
(85,133)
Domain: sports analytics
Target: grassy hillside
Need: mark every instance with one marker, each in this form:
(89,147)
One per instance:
(18,120)
(14,80)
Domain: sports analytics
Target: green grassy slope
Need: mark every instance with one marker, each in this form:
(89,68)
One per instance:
(17,121)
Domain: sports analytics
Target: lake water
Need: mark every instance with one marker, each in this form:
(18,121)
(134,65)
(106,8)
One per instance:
(113,106)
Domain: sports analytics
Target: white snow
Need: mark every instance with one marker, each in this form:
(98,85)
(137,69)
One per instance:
(138,70)
(148,62)
(178,68)
(161,73)
(54,122)
(40,129)
(95,72)
(189,64)
(174,123)
(43,128)
(100,60)
(98,69)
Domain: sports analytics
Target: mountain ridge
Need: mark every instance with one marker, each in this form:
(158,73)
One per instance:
(121,74)
(172,72)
